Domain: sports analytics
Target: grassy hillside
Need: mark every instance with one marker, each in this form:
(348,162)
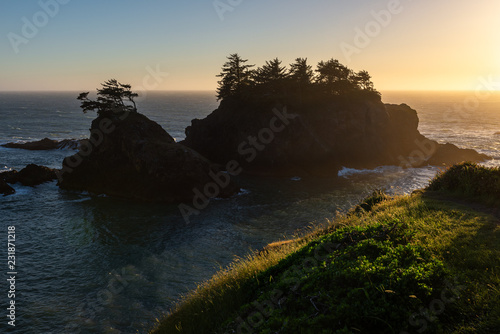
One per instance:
(412,264)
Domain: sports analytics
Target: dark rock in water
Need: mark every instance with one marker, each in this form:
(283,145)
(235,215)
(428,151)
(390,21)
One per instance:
(449,154)
(5,189)
(45,144)
(133,157)
(415,149)
(32,175)
(317,138)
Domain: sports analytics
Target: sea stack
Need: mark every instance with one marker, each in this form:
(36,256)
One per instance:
(132,157)
(318,138)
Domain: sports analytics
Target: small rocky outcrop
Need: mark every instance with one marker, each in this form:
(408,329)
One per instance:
(415,150)
(449,154)
(46,144)
(132,157)
(317,138)
(32,175)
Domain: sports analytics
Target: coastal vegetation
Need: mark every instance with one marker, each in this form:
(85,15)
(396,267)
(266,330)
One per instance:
(428,262)
(110,100)
(470,180)
(272,81)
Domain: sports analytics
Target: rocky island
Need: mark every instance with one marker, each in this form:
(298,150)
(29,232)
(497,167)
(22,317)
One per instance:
(294,123)
(129,156)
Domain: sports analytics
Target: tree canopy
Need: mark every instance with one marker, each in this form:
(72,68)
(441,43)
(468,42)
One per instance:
(111,99)
(235,76)
(301,73)
(330,78)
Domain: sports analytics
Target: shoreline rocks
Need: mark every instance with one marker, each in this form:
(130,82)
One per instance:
(31,175)
(46,144)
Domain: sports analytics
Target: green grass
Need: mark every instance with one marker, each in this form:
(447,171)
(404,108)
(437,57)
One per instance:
(416,264)
(471,181)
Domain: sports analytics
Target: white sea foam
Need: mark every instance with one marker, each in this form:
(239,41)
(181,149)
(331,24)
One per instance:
(346,172)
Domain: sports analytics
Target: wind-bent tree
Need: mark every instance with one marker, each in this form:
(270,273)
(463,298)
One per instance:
(301,73)
(234,76)
(111,99)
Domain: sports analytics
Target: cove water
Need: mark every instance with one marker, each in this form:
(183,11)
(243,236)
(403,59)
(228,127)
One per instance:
(94,264)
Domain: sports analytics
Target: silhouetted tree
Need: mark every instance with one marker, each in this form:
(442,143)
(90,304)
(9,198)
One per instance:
(272,71)
(363,80)
(334,76)
(273,81)
(301,73)
(270,79)
(235,75)
(301,76)
(110,99)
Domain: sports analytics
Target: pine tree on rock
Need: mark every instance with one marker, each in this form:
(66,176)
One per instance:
(235,76)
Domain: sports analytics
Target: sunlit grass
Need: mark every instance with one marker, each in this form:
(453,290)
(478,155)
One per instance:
(465,241)
(215,300)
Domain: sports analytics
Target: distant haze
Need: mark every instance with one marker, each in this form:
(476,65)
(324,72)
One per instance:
(403,44)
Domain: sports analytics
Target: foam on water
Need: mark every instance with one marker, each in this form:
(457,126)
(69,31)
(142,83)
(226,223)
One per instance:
(346,172)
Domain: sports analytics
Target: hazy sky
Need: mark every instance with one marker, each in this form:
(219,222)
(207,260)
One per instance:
(77,44)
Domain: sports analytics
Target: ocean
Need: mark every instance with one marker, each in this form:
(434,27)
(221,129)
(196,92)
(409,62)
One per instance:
(94,264)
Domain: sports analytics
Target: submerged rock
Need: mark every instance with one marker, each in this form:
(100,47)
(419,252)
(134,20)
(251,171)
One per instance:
(132,157)
(45,144)
(317,138)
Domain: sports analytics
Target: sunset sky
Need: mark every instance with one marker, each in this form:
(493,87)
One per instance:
(76,44)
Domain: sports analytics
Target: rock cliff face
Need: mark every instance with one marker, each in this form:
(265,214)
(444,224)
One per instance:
(317,139)
(130,156)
